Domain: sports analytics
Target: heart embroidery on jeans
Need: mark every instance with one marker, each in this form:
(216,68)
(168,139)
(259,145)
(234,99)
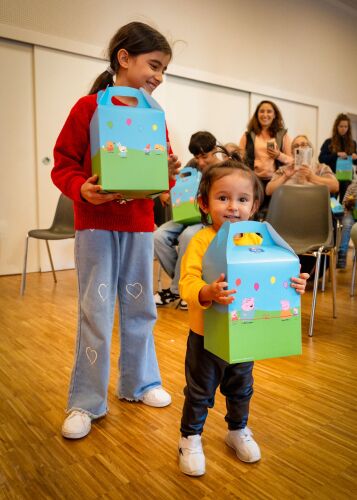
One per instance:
(103,291)
(91,355)
(135,289)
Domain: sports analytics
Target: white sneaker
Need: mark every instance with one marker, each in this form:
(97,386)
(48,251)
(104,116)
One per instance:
(157,397)
(191,457)
(244,445)
(76,425)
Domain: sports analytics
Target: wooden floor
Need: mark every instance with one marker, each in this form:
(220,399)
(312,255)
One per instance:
(303,413)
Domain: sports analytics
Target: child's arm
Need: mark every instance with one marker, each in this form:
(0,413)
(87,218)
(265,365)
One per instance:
(217,292)
(299,283)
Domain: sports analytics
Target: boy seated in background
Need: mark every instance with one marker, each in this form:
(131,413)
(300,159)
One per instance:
(171,238)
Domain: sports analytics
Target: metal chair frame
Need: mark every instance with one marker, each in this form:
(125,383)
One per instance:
(62,228)
(302,216)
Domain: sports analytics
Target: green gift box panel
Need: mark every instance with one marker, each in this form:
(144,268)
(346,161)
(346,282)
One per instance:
(264,321)
(128,144)
(183,196)
(344,169)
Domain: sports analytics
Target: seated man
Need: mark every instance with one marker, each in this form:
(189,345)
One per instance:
(203,146)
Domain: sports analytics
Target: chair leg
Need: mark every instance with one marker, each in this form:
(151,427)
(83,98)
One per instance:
(23,279)
(333,280)
(316,285)
(324,274)
(50,256)
(159,285)
(353,274)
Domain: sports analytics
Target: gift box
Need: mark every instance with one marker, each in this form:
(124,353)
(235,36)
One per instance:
(183,196)
(336,207)
(128,144)
(264,321)
(344,169)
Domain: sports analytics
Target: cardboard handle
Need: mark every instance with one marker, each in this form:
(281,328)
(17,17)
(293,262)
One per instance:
(252,227)
(105,99)
(189,171)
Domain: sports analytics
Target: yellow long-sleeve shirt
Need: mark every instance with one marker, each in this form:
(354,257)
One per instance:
(191,280)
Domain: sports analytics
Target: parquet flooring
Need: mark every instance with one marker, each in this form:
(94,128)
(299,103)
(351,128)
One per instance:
(303,413)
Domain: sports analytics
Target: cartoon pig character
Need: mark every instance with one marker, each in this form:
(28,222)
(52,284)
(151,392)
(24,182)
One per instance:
(285,309)
(234,316)
(248,308)
(109,146)
(147,149)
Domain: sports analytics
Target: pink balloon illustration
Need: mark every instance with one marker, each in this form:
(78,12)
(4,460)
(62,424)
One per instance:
(256,286)
(238,281)
(128,121)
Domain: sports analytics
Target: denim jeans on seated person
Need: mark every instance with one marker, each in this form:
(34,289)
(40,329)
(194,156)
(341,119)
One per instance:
(347,223)
(166,238)
(111,264)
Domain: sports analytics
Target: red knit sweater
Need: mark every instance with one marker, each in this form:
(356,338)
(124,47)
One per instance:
(72,167)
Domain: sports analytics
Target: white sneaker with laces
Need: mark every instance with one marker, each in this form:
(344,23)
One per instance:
(244,445)
(77,425)
(192,460)
(157,397)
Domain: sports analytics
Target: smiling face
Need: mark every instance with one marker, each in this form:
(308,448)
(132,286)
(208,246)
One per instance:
(266,115)
(231,198)
(144,70)
(204,160)
(342,127)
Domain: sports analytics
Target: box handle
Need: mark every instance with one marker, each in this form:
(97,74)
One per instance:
(105,97)
(252,227)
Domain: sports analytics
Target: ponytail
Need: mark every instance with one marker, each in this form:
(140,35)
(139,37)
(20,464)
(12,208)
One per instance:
(102,81)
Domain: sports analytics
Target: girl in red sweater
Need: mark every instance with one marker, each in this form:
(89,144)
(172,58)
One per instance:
(113,246)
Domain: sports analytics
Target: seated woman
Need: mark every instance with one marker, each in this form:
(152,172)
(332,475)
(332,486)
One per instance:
(316,173)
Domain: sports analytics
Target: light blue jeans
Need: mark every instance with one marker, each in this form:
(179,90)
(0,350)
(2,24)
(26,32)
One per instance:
(166,238)
(347,223)
(111,264)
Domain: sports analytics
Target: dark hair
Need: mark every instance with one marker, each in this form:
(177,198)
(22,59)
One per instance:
(277,123)
(202,142)
(137,38)
(339,142)
(219,170)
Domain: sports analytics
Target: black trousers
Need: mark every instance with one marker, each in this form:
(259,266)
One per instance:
(204,373)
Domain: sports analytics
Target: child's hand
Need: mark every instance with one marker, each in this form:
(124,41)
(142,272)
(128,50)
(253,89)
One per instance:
(300,283)
(89,191)
(174,166)
(164,199)
(217,292)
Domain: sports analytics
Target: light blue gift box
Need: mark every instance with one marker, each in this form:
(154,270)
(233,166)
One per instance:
(264,321)
(128,144)
(344,169)
(183,196)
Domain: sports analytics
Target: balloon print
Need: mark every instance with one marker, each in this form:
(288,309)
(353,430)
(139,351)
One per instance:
(272,280)
(128,121)
(238,281)
(285,284)
(154,127)
(256,286)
